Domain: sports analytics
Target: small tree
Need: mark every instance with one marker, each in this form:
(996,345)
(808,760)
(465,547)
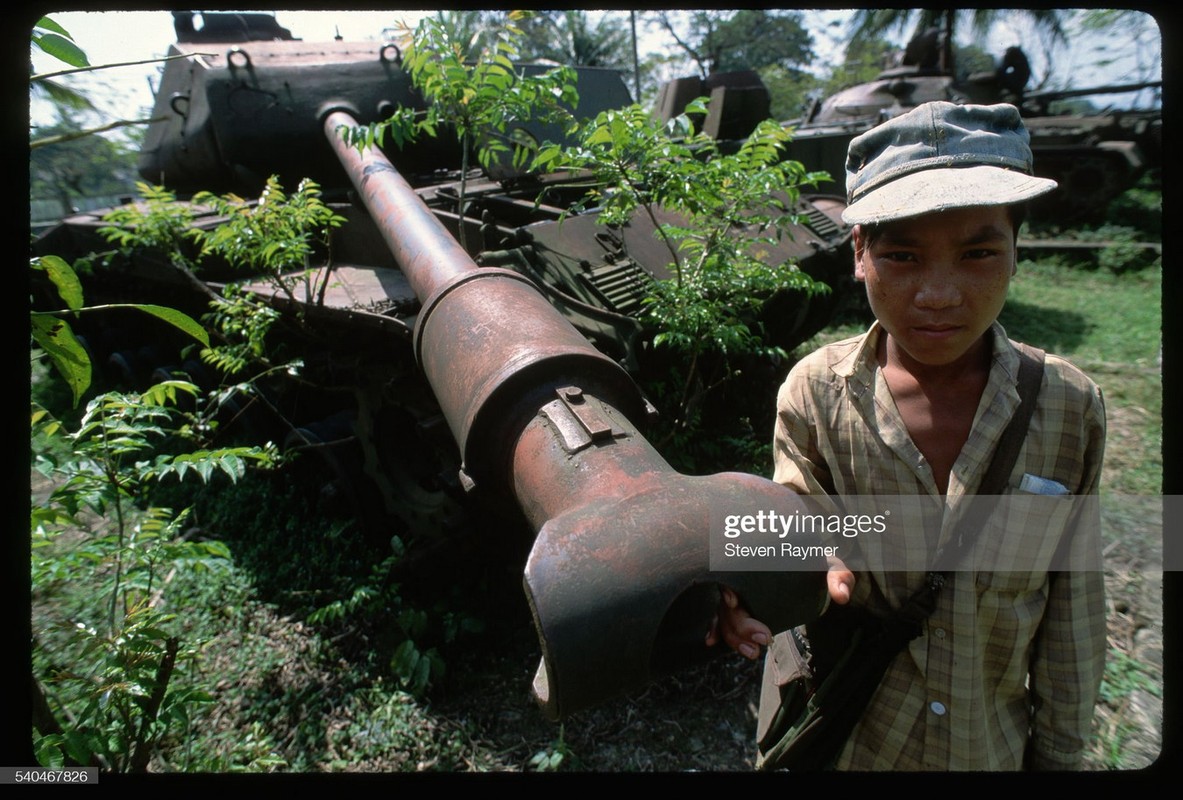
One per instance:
(482,100)
(733,206)
(112,683)
(107,684)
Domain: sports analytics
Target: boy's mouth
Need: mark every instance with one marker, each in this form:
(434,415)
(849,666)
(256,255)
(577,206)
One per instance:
(936,331)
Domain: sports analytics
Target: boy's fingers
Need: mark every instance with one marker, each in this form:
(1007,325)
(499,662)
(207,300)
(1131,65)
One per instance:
(729,598)
(840,583)
(755,631)
(736,627)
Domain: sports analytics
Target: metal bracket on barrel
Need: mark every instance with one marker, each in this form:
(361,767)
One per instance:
(579,419)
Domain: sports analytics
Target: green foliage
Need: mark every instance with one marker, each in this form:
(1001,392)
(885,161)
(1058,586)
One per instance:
(747,38)
(790,91)
(113,677)
(1132,221)
(387,727)
(1123,676)
(121,701)
(1139,208)
(480,100)
(1132,39)
(269,236)
(114,453)
(52,39)
(158,221)
(878,21)
(551,759)
(483,101)
(378,599)
(243,320)
(273,235)
(732,209)
(55,337)
(1123,251)
(568,36)
(66,164)
(863,60)
(249,751)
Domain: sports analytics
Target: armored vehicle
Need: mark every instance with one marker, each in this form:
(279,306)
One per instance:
(1093,156)
(442,380)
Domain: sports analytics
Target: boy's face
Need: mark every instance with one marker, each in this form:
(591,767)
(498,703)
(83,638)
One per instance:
(937,282)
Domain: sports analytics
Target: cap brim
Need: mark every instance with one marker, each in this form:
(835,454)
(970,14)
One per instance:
(934,190)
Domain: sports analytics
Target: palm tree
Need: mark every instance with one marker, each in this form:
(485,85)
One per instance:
(570,37)
(869,22)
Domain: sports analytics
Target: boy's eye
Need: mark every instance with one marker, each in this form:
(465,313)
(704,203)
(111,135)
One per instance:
(897,255)
(980,253)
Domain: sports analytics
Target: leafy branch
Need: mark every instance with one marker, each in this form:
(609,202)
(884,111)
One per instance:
(733,208)
(483,102)
(274,235)
(52,332)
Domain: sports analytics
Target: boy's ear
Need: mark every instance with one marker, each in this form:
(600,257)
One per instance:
(859,243)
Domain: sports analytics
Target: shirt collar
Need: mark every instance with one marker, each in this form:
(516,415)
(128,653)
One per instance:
(861,357)
(862,360)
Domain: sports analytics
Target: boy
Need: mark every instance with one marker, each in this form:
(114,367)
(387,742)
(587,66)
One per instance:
(1006,670)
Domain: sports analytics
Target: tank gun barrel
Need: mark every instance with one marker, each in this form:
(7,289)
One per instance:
(618,579)
(1061,94)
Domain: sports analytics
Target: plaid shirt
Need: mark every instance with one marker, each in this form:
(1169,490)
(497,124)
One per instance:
(1007,670)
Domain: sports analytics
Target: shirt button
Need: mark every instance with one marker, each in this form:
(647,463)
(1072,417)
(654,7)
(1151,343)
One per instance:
(939,633)
(937,707)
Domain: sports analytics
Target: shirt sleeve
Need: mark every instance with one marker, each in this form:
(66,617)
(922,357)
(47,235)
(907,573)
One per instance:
(1069,656)
(797,462)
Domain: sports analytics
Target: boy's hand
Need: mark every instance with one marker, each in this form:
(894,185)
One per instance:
(745,634)
(733,624)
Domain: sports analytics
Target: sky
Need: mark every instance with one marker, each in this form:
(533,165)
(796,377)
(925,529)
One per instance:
(119,36)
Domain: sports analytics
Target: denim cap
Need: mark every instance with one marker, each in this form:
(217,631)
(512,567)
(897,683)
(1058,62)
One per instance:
(940,156)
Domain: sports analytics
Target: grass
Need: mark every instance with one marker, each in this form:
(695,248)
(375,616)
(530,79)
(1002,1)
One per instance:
(1111,327)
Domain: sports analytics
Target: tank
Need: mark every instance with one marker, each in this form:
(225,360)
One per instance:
(1093,157)
(445,388)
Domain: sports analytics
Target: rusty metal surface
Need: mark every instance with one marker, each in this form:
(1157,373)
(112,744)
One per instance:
(427,253)
(491,346)
(372,297)
(619,577)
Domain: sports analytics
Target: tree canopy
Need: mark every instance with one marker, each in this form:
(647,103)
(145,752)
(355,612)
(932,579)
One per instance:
(749,38)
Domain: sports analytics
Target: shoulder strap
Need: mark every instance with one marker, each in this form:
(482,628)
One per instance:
(1003,462)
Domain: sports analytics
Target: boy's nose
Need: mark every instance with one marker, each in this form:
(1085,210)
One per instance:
(938,293)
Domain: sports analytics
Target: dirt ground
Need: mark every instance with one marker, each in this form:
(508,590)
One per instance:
(703,719)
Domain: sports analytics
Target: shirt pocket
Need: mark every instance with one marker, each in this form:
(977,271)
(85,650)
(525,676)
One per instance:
(1019,544)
